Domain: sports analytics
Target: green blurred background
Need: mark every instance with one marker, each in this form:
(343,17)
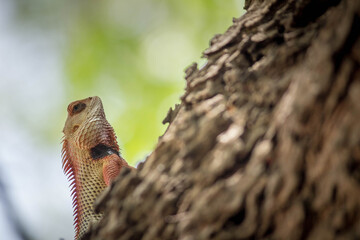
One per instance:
(132,54)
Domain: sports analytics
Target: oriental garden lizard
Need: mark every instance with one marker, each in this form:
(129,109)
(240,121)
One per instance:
(90,158)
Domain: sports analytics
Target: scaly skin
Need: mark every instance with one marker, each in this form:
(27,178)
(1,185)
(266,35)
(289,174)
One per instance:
(91,158)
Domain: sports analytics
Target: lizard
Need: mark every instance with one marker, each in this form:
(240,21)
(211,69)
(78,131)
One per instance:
(90,158)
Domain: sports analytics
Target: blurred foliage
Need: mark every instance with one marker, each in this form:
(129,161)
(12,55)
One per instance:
(132,54)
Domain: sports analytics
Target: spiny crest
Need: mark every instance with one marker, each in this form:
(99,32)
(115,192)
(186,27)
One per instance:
(69,171)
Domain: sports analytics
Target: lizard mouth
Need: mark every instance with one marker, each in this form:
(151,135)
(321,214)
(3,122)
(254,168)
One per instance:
(101,150)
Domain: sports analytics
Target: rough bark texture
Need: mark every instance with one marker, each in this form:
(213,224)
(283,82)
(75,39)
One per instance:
(266,141)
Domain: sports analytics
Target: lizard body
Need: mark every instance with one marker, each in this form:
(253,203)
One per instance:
(90,158)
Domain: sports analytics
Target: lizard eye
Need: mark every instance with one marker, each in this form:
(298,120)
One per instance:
(78,108)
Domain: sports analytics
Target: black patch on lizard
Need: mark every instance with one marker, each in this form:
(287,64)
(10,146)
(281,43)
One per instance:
(101,150)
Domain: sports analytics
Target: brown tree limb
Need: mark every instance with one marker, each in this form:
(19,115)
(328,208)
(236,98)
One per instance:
(266,141)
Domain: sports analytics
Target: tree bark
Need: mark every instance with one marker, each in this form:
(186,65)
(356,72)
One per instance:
(266,141)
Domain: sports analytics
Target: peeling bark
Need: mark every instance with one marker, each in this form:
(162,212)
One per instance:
(266,141)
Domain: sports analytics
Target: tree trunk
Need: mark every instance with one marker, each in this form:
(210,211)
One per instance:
(266,141)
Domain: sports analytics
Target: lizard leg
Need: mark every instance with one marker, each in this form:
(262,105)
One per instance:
(111,168)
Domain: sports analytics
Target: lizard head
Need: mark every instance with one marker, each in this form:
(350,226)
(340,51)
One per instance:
(86,125)
(78,112)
